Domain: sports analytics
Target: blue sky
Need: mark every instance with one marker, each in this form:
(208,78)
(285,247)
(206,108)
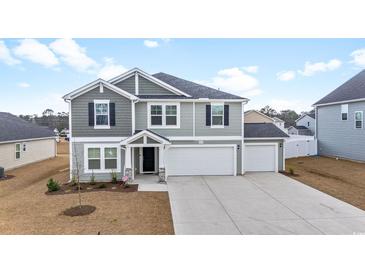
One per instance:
(284,73)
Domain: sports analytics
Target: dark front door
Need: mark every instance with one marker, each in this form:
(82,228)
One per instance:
(148,159)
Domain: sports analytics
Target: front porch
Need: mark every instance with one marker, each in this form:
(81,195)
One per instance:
(145,154)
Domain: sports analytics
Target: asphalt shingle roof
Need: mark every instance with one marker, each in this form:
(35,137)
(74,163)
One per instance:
(300,127)
(350,90)
(263,130)
(312,115)
(193,89)
(13,128)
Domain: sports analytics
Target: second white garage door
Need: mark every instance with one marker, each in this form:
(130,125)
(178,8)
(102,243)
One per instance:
(201,160)
(261,157)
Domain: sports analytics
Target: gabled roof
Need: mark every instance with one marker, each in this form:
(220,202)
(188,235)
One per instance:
(353,89)
(277,119)
(193,89)
(311,115)
(13,128)
(148,133)
(149,77)
(101,83)
(260,113)
(263,130)
(300,127)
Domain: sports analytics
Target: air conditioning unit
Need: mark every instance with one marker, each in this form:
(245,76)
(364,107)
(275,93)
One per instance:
(2,172)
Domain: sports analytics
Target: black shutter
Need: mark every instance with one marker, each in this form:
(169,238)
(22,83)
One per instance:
(112,114)
(226,115)
(91,114)
(208,121)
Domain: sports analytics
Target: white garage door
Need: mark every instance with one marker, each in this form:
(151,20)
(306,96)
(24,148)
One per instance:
(260,157)
(201,160)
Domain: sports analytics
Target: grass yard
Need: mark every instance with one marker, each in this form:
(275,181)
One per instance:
(26,209)
(342,179)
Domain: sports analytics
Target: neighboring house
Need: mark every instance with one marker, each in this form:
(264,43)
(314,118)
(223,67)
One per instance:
(299,130)
(254,116)
(308,121)
(340,120)
(139,123)
(23,142)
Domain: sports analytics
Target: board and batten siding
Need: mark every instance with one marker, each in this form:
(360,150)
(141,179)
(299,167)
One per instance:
(36,150)
(80,114)
(339,138)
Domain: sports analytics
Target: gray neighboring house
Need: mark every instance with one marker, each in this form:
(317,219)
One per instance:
(22,142)
(340,120)
(138,123)
(304,125)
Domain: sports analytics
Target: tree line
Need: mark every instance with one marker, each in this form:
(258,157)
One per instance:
(49,119)
(288,116)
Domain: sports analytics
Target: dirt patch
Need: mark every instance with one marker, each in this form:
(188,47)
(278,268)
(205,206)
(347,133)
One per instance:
(342,179)
(79,210)
(7,177)
(71,188)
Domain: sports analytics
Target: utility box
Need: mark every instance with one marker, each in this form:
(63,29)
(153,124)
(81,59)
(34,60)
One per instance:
(2,172)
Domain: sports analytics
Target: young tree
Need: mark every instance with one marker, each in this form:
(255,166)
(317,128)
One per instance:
(76,171)
(267,110)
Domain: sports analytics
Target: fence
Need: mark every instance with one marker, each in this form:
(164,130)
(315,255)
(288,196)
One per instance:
(300,146)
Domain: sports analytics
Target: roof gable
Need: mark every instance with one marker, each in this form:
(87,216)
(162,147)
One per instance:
(311,116)
(145,134)
(260,115)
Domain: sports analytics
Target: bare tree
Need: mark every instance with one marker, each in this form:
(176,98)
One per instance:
(76,171)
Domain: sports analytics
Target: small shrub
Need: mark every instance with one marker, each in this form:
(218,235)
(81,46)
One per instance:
(92,178)
(102,186)
(53,185)
(291,171)
(114,177)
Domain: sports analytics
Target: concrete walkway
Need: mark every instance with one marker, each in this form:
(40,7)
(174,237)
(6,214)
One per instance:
(258,203)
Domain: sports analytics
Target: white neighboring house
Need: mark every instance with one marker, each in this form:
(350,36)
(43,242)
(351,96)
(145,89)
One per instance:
(22,142)
(254,116)
(304,125)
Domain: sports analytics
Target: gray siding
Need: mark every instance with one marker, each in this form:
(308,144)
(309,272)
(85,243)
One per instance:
(281,151)
(304,122)
(128,85)
(340,138)
(80,115)
(146,87)
(235,121)
(186,120)
(78,149)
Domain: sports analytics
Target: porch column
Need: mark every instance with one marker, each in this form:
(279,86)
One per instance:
(128,162)
(161,164)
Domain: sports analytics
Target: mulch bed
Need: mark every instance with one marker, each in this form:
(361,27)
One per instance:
(79,210)
(71,188)
(7,177)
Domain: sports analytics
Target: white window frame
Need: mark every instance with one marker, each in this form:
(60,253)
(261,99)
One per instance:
(102,126)
(211,115)
(102,158)
(163,105)
(345,109)
(362,119)
(20,151)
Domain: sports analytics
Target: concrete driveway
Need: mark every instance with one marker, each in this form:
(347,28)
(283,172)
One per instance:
(258,203)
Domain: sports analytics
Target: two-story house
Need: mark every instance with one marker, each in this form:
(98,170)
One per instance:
(340,120)
(139,123)
(304,125)
(254,116)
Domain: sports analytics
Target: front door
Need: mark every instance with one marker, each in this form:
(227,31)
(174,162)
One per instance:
(148,159)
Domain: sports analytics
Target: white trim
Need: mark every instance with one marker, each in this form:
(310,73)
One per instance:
(102,158)
(97,139)
(204,100)
(303,117)
(283,155)
(234,146)
(133,116)
(101,89)
(27,140)
(141,171)
(339,102)
(20,151)
(242,137)
(97,101)
(267,138)
(202,138)
(149,134)
(346,106)
(149,77)
(88,87)
(211,115)
(276,152)
(362,119)
(136,83)
(193,118)
(163,106)
(70,136)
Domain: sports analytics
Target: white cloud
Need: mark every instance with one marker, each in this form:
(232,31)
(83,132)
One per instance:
(36,52)
(286,75)
(110,69)
(358,57)
(23,85)
(297,105)
(151,43)
(251,69)
(312,68)
(73,55)
(236,81)
(6,56)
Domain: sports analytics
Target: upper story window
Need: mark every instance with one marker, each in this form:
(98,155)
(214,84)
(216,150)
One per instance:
(344,112)
(358,119)
(217,115)
(163,115)
(102,119)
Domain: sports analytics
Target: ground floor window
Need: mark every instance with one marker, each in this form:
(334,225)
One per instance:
(102,158)
(17,151)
